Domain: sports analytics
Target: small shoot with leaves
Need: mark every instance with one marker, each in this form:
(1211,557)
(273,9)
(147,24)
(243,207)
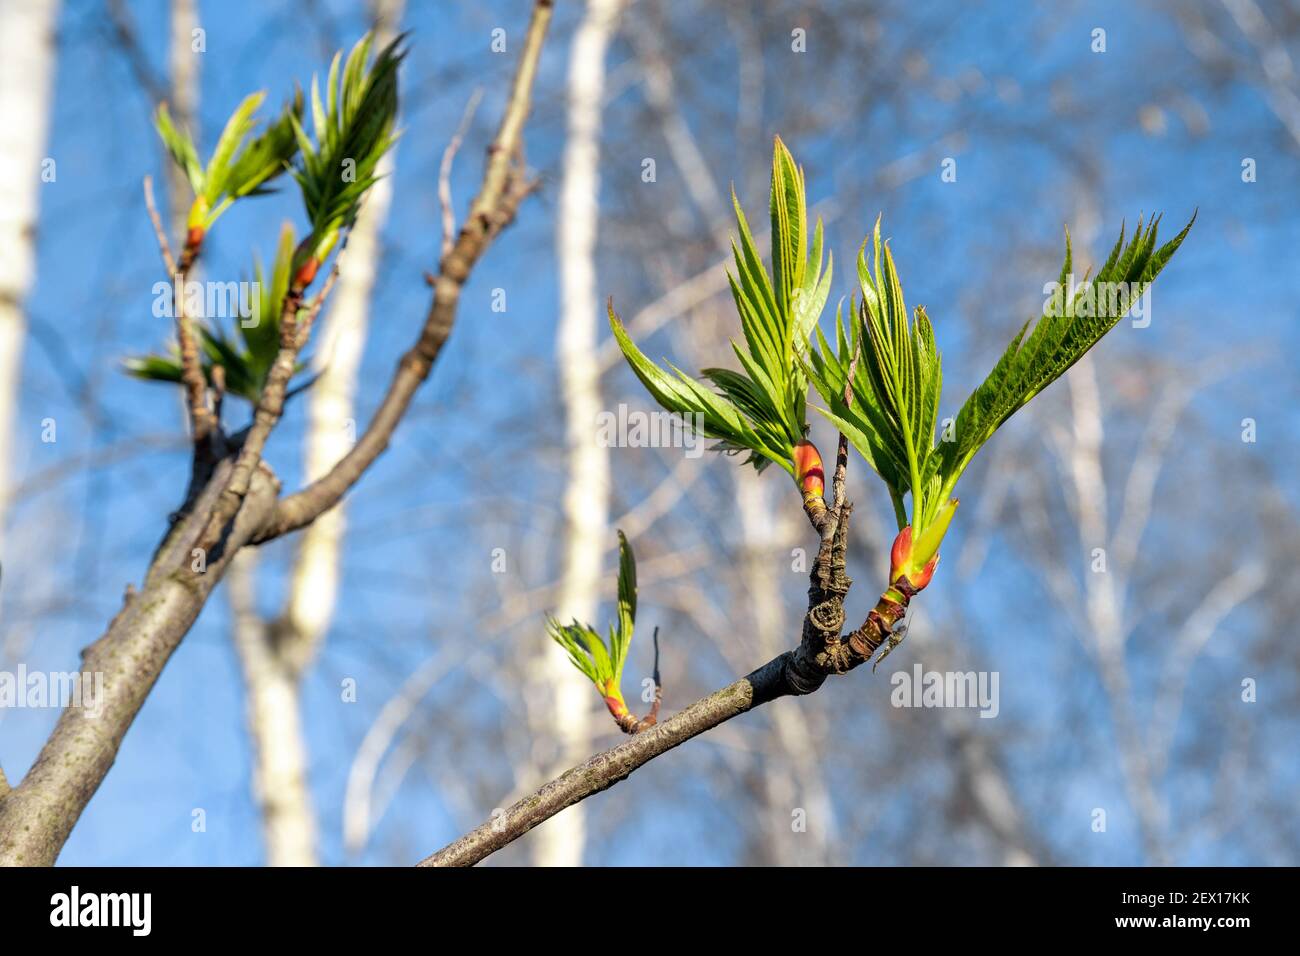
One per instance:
(602,661)
(353,130)
(245,363)
(761,409)
(896,391)
(237,167)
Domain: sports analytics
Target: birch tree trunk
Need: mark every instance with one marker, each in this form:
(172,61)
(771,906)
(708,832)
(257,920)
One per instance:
(27,58)
(586,497)
(273,710)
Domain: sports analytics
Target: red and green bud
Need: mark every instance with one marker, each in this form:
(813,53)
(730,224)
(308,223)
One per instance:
(808,473)
(309,255)
(614,700)
(305,273)
(916,560)
(198,215)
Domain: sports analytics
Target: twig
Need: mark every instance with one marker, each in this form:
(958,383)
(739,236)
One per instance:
(196,385)
(163,245)
(270,406)
(444,173)
(631,724)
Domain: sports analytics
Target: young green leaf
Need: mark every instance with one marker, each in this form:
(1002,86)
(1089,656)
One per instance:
(1071,325)
(602,662)
(246,362)
(234,169)
(353,129)
(762,408)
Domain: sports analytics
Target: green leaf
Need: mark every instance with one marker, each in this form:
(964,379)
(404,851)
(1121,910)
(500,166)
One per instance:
(762,409)
(154,368)
(353,129)
(903,375)
(1066,331)
(180,146)
(865,422)
(237,128)
(267,156)
(576,638)
(679,393)
(621,636)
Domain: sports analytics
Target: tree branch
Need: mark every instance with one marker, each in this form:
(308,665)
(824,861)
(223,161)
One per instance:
(233,501)
(493,208)
(196,387)
(606,769)
(39,814)
(820,654)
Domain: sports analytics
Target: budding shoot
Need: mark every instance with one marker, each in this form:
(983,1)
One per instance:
(808,470)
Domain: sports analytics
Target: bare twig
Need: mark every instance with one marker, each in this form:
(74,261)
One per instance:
(202,420)
(444,173)
(161,234)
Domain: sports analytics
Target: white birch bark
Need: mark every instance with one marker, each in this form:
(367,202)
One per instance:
(27,59)
(280,785)
(568,719)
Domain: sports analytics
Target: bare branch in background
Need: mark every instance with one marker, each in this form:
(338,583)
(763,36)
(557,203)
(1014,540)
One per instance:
(444,173)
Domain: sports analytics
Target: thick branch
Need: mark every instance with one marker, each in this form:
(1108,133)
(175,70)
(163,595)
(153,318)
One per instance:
(492,209)
(38,814)
(606,769)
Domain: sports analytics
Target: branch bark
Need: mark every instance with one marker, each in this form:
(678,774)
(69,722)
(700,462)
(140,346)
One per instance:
(606,769)
(39,814)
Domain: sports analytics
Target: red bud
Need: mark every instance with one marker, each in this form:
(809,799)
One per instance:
(808,468)
(306,273)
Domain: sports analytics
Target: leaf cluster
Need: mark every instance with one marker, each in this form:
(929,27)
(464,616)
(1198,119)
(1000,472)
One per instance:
(353,129)
(600,660)
(245,357)
(761,408)
(238,166)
